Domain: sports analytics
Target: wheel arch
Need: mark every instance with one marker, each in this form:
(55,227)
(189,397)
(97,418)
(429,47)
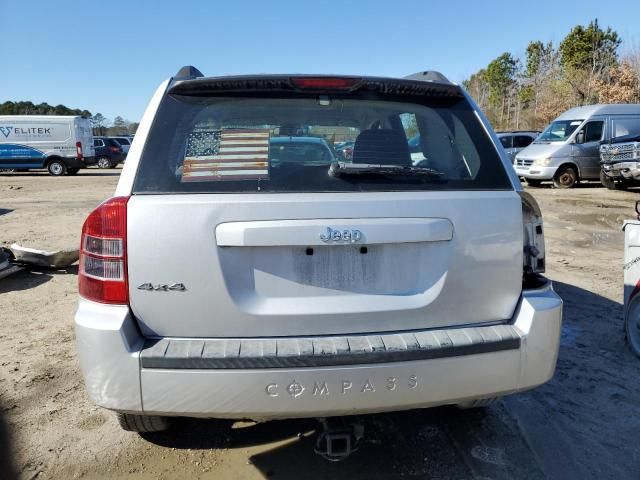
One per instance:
(571,164)
(51,158)
(632,309)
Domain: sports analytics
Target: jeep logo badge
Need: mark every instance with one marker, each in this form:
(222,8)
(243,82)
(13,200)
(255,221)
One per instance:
(341,236)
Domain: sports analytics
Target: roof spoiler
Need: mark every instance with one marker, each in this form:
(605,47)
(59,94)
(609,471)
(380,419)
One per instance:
(428,76)
(188,72)
(423,83)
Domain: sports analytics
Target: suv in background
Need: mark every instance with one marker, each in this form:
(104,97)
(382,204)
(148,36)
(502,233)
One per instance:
(312,287)
(514,141)
(125,143)
(108,152)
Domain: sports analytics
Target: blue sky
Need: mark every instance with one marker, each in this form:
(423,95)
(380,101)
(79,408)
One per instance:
(109,57)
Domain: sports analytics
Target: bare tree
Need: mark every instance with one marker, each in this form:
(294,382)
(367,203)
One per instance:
(99,123)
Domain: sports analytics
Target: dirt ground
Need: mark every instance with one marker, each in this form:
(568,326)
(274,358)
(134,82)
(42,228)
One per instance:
(584,424)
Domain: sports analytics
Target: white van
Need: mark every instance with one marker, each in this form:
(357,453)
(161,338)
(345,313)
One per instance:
(61,144)
(569,148)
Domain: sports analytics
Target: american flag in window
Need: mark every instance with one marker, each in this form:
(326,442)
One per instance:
(227,154)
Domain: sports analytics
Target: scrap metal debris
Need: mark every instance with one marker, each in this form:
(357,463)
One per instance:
(42,258)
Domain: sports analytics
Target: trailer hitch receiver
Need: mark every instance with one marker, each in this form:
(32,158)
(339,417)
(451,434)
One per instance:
(338,440)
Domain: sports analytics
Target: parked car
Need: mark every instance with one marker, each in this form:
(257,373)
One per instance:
(303,150)
(108,152)
(216,284)
(61,144)
(568,150)
(620,162)
(515,141)
(125,143)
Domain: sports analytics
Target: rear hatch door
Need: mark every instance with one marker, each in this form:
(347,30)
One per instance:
(229,237)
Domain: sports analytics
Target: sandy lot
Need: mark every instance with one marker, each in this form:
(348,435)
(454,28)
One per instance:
(583,424)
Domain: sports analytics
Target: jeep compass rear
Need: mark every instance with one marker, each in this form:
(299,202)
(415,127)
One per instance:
(244,269)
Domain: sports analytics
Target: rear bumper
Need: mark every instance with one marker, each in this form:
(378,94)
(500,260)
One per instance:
(74,162)
(110,346)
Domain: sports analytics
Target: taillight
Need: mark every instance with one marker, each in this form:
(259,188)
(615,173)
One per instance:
(79,150)
(115,149)
(533,242)
(325,83)
(103,254)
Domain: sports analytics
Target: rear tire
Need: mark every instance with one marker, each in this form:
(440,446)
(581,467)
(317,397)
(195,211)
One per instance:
(104,162)
(478,403)
(565,177)
(56,168)
(142,423)
(533,183)
(72,171)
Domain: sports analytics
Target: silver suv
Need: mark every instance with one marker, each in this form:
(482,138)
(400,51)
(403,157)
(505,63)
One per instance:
(234,275)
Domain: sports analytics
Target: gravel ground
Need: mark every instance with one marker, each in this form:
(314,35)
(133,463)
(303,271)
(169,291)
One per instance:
(583,424)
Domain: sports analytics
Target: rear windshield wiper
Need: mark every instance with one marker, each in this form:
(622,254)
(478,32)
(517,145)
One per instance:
(338,169)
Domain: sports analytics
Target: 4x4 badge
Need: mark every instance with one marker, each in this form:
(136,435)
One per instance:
(174,287)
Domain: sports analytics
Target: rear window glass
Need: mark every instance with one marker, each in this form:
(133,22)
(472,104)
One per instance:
(316,144)
(522,141)
(506,141)
(123,141)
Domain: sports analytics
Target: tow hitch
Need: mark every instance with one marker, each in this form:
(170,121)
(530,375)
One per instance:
(338,439)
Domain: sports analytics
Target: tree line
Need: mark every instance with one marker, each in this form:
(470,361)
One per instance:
(584,68)
(101,125)
(119,126)
(29,108)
